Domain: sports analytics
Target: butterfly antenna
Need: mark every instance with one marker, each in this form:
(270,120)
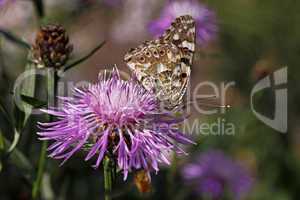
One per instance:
(207,102)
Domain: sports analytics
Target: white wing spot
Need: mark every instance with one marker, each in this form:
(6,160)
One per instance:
(190,46)
(161,68)
(176,37)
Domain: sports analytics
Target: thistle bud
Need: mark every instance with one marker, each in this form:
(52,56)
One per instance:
(52,47)
(142,181)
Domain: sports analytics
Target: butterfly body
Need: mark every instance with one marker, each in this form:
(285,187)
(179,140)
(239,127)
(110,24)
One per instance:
(164,65)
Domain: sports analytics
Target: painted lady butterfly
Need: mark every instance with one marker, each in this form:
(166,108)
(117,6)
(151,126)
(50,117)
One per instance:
(164,65)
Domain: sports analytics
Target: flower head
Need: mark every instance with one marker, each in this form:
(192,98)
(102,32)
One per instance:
(212,172)
(116,118)
(131,26)
(205,19)
(52,47)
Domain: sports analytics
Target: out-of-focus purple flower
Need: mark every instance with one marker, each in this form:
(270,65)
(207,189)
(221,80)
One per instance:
(116,118)
(206,26)
(132,25)
(213,174)
(5,3)
(2,2)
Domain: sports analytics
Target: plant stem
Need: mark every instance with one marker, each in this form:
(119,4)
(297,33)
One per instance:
(41,167)
(108,169)
(51,91)
(171,176)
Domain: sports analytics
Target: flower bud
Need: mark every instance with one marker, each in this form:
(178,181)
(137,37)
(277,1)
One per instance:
(52,47)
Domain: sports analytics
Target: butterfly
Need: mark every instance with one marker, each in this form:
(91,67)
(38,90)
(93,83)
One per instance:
(163,65)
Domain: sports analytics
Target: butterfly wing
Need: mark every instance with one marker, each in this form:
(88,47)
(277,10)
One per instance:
(182,34)
(164,65)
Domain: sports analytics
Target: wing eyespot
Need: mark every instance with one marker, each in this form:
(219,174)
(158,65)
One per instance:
(155,53)
(162,52)
(183,75)
(148,54)
(142,59)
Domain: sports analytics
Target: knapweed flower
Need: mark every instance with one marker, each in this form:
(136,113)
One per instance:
(213,174)
(131,26)
(115,118)
(206,26)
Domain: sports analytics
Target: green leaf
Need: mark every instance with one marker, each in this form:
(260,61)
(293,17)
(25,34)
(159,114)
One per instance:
(28,88)
(1,142)
(18,159)
(22,109)
(2,148)
(13,38)
(84,58)
(36,103)
(5,113)
(14,142)
(19,118)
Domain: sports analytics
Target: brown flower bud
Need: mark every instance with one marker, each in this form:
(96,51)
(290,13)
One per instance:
(142,181)
(52,47)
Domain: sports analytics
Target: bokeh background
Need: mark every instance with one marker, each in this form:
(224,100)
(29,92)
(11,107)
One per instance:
(253,39)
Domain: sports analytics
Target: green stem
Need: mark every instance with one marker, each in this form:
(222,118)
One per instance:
(41,167)
(171,177)
(51,91)
(108,169)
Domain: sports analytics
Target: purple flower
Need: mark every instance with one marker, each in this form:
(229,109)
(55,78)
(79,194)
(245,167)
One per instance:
(116,118)
(131,26)
(206,26)
(212,173)
(3,2)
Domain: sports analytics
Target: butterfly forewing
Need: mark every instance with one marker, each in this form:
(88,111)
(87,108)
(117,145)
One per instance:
(164,65)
